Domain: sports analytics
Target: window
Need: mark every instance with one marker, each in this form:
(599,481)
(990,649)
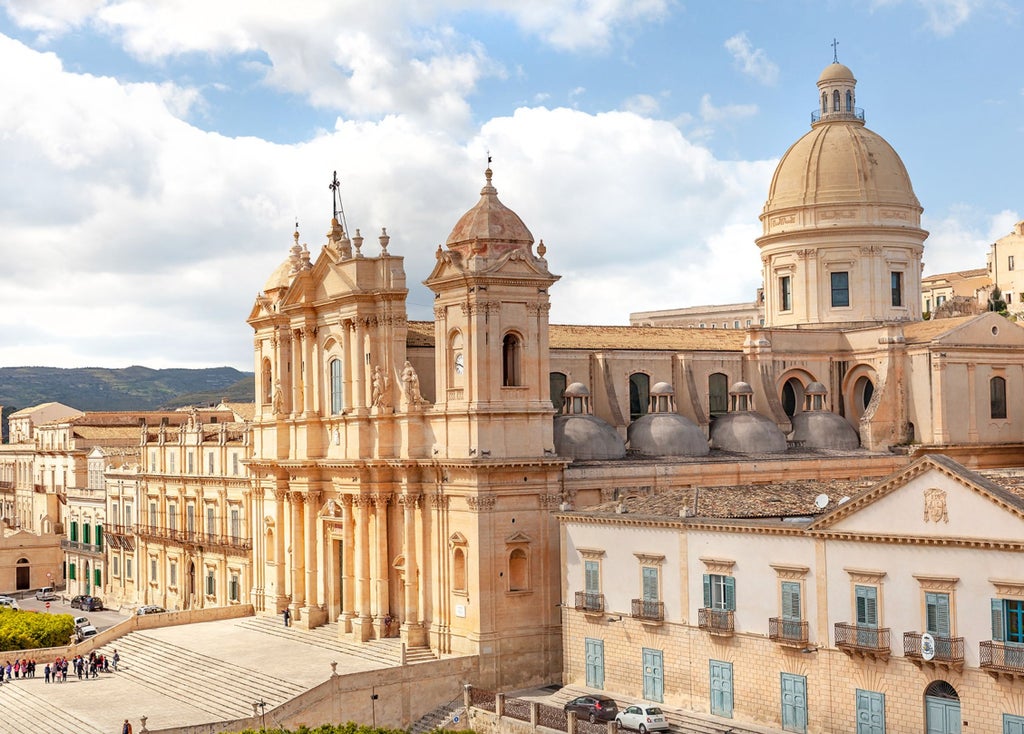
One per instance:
(1007,620)
(74,531)
(211,582)
(190,519)
(792,612)
(867,606)
(719,592)
(172,517)
(937,614)
(840,290)
(997,397)
(191,463)
(592,577)
(234,463)
(128,568)
(233,588)
(72,574)
(86,532)
(510,361)
(152,516)
(736,324)
(785,293)
(211,523)
(209,462)
(718,394)
(152,569)
(236,524)
(267,382)
(518,570)
(835,101)
(824,103)
(748,323)
(1009,262)
(896,284)
(557,381)
(99,536)
(172,462)
(849,101)
(639,395)
(173,573)
(116,565)
(337,401)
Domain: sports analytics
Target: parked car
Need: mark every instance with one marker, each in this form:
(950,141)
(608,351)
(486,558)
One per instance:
(81,622)
(150,609)
(643,719)
(46,594)
(84,633)
(593,708)
(87,603)
(9,602)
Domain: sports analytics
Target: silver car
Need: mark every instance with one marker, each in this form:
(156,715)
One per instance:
(642,718)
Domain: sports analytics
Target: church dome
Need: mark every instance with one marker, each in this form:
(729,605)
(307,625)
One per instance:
(490,222)
(666,434)
(747,433)
(583,437)
(836,72)
(822,429)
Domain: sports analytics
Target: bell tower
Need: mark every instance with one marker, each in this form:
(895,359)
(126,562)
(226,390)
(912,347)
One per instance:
(491,333)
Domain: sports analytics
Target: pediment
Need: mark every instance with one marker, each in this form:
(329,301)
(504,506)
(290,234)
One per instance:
(518,538)
(987,329)
(331,509)
(935,499)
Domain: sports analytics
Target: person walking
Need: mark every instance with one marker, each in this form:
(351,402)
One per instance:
(126,728)
(287,614)
(116,659)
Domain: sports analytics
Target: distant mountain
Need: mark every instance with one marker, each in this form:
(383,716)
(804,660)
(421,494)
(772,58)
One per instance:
(130,388)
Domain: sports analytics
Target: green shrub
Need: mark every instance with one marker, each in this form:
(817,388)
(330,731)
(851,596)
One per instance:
(22,630)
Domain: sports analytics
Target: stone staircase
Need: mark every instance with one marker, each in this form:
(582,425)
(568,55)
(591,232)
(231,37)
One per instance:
(219,687)
(386,652)
(682,721)
(25,711)
(440,718)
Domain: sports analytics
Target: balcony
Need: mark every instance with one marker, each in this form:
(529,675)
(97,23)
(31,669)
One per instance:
(228,544)
(1002,659)
(648,611)
(119,537)
(948,653)
(87,549)
(857,113)
(864,642)
(587,602)
(717,621)
(788,632)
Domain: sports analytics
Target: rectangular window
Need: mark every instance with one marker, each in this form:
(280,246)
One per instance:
(1008,620)
(736,324)
(128,568)
(233,590)
(113,513)
(86,532)
(719,592)
(116,561)
(74,531)
(173,575)
(1009,262)
(785,293)
(937,614)
(211,523)
(153,524)
(650,584)
(896,284)
(190,519)
(867,606)
(997,397)
(71,572)
(172,517)
(152,569)
(209,462)
(191,463)
(234,463)
(99,536)
(236,524)
(172,460)
(791,610)
(840,290)
(592,577)
(211,584)
(152,460)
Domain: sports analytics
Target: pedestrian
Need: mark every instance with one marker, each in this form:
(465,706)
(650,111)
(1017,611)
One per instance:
(46,673)
(287,617)
(116,659)
(127,727)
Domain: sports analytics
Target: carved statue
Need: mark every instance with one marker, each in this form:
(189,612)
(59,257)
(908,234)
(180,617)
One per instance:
(411,381)
(278,405)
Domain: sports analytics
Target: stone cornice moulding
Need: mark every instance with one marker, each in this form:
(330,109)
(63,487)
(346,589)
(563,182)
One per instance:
(931,582)
(720,566)
(591,554)
(790,572)
(1008,587)
(650,559)
(865,575)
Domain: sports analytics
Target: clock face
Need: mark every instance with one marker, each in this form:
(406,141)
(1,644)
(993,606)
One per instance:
(460,363)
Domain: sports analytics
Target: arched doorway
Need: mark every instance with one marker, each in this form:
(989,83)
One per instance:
(792,396)
(191,584)
(23,575)
(941,708)
(863,389)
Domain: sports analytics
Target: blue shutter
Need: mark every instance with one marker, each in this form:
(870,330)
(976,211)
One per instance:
(707,591)
(867,606)
(997,620)
(650,583)
(937,612)
(730,593)
(791,601)
(593,577)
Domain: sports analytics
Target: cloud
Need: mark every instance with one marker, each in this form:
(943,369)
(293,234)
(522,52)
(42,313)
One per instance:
(959,238)
(753,62)
(574,25)
(944,17)
(642,104)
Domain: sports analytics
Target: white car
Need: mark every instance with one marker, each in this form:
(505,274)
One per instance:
(84,633)
(46,594)
(9,602)
(81,622)
(642,718)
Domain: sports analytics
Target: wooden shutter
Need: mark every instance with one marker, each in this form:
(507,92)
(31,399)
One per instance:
(707,591)
(997,620)
(791,600)
(593,577)
(730,593)
(650,583)
(937,610)
(867,606)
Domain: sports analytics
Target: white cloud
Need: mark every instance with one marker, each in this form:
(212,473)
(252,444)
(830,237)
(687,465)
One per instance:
(642,104)
(959,239)
(753,62)
(581,24)
(943,16)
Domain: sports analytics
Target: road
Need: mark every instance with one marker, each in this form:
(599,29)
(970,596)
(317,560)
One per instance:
(100,620)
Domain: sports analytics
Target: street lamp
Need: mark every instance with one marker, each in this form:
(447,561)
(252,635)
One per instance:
(262,706)
(373,705)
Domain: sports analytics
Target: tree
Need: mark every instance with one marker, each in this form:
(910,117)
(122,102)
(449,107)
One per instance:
(996,302)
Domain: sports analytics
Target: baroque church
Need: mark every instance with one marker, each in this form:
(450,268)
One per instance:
(408,477)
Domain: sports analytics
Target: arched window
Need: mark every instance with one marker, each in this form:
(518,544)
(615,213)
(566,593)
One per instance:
(997,397)
(863,389)
(718,394)
(267,383)
(849,101)
(456,359)
(792,396)
(269,548)
(518,571)
(824,103)
(511,348)
(835,101)
(337,398)
(639,394)
(459,570)
(557,380)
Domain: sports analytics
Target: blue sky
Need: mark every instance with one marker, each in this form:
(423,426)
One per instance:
(155,155)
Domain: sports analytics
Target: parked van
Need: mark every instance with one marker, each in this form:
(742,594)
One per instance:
(46,594)
(9,602)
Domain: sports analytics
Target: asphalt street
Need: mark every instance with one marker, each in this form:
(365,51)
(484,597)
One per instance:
(61,605)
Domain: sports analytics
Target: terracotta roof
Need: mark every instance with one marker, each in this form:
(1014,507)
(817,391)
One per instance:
(245,411)
(777,500)
(93,433)
(957,275)
(921,332)
(132,418)
(566,336)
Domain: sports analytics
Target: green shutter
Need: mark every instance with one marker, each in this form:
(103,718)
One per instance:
(71,572)
(99,536)
(997,620)
(707,591)
(730,593)
(650,581)
(791,601)
(96,581)
(85,533)
(74,532)
(593,577)
(867,606)
(937,610)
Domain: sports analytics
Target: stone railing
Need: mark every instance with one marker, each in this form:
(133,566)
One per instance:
(522,716)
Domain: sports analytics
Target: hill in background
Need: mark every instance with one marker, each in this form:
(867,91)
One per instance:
(129,388)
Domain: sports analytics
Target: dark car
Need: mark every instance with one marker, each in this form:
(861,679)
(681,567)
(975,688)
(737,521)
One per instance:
(593,708)
(86,603)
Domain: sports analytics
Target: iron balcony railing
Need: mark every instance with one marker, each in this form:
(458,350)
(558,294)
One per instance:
(787,630)
(79,547)
(716,621)
(587,602)
(947,649)
(649,610)
(856,114)
(1002,657)
(859,638)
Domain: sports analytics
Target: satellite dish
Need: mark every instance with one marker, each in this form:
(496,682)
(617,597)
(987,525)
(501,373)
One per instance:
(843,500)
(927,646)
(821,501)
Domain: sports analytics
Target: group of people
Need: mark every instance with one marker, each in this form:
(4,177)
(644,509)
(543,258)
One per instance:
(82,666)
(19,669)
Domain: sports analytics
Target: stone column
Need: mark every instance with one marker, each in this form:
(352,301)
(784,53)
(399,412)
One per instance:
(381,572)
(298,348)
(279,557)
(347,368)
(298,553)
(314,614)
(347,574)
(361,624)
(359,368)
(412,630)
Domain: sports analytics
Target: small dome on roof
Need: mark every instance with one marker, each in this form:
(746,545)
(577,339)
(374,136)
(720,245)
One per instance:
(577,390)
(741,388)
(747,433)
(822,429)
(280,278)
(662,388)
(667,434)
(815,388)
(583,437)
(490,221)
(835,72)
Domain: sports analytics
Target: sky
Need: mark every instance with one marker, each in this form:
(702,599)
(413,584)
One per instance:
(155,155)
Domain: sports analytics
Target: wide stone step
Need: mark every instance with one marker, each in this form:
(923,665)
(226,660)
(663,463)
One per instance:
(25,712)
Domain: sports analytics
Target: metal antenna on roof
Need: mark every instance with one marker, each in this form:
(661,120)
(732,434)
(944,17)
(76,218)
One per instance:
(335,187)
(835,53)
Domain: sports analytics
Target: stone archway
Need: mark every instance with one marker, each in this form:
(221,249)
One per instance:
(942,709)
